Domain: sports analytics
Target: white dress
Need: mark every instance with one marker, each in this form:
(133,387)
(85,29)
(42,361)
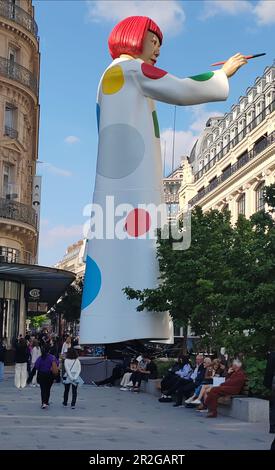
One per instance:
(129,171)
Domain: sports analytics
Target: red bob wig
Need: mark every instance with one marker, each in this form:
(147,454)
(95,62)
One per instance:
(128,35)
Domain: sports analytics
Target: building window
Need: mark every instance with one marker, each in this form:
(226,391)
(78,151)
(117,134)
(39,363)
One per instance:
(226,172)
(213,182)
(8,186)
(260,197)
(242,159)
(241,205)
(225,207)
(8,255)
(10,121)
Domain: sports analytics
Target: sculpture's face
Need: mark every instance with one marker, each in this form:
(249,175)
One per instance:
(151,48)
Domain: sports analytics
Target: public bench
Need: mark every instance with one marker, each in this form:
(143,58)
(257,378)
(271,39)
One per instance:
(243,407)
(152,387)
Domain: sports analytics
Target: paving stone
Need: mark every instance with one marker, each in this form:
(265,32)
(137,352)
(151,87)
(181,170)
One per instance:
(143,423)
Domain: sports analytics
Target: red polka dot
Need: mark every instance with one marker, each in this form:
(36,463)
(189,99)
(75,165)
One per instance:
(151,71)
(138,222)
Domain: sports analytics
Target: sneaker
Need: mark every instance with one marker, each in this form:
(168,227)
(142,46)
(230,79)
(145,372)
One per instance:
(190,399)
(165,400)
(123,388)
(44,406)
(65,405)
(178,405)
(72,407)
(196,402)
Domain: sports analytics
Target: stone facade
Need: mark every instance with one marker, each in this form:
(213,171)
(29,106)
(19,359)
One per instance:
(171,186)
(19,126)
(234,158)
(73,260)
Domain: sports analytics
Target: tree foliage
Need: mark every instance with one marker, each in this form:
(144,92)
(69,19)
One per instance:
(224,284)
(70,304)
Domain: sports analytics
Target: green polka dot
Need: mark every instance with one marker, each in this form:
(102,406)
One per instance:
(156,124)
(202,77)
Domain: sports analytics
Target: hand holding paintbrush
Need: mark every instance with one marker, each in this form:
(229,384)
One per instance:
(235,62)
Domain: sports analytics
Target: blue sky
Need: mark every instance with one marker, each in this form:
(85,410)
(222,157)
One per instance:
(74,53)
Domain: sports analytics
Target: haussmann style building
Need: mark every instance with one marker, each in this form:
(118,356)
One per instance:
(234,158)
(25,287)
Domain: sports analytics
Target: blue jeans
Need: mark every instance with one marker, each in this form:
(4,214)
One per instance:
(1,371)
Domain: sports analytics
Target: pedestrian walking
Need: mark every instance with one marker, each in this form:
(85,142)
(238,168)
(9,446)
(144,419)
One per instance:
(22,354)
(35,354)
(47,368)
(71,376)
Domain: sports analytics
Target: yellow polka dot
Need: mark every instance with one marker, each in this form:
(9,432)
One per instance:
(113,80)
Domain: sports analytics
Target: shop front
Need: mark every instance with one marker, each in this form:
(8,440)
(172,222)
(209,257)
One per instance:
(17,283)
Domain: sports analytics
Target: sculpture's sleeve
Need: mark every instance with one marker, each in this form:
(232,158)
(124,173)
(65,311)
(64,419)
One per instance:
(159,85)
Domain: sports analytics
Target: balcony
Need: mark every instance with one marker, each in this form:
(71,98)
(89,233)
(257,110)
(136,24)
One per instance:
(17,211)
(18,15)
(238,138)
(14,71)
(11,255)
(10,132)
(258,148)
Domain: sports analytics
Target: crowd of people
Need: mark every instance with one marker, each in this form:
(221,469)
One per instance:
(199,386)
(42,359)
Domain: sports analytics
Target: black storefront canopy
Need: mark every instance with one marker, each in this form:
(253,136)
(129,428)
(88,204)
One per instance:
(50,281)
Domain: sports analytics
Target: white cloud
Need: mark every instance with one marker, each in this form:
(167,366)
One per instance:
(71,139)
(184,140)
(228,7)
(169,15)
(265,12)
(57,171)
(201,115)
(60,235)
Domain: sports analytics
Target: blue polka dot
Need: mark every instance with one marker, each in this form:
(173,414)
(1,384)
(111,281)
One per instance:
(120,151)
(97,115)
(92,282)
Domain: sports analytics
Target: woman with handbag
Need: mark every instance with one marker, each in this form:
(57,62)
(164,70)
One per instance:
(72,376)
(47,369)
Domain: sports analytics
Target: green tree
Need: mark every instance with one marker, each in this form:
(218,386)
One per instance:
(224,284)
(70,304)
(36,321)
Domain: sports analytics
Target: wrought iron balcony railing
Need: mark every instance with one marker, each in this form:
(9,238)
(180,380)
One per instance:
(10,255)
(14,71)
(17,211)
(238,138)
(257,149)
(14,13)
(10,132)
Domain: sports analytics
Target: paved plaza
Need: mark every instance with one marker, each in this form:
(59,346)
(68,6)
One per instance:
(107,418)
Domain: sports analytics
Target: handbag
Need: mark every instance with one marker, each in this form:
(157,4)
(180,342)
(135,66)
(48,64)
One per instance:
(78,381)
(54,368)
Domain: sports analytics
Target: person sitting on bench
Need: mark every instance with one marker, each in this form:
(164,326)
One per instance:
(232,386)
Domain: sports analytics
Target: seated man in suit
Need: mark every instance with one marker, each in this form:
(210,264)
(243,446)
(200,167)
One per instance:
(232,386)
